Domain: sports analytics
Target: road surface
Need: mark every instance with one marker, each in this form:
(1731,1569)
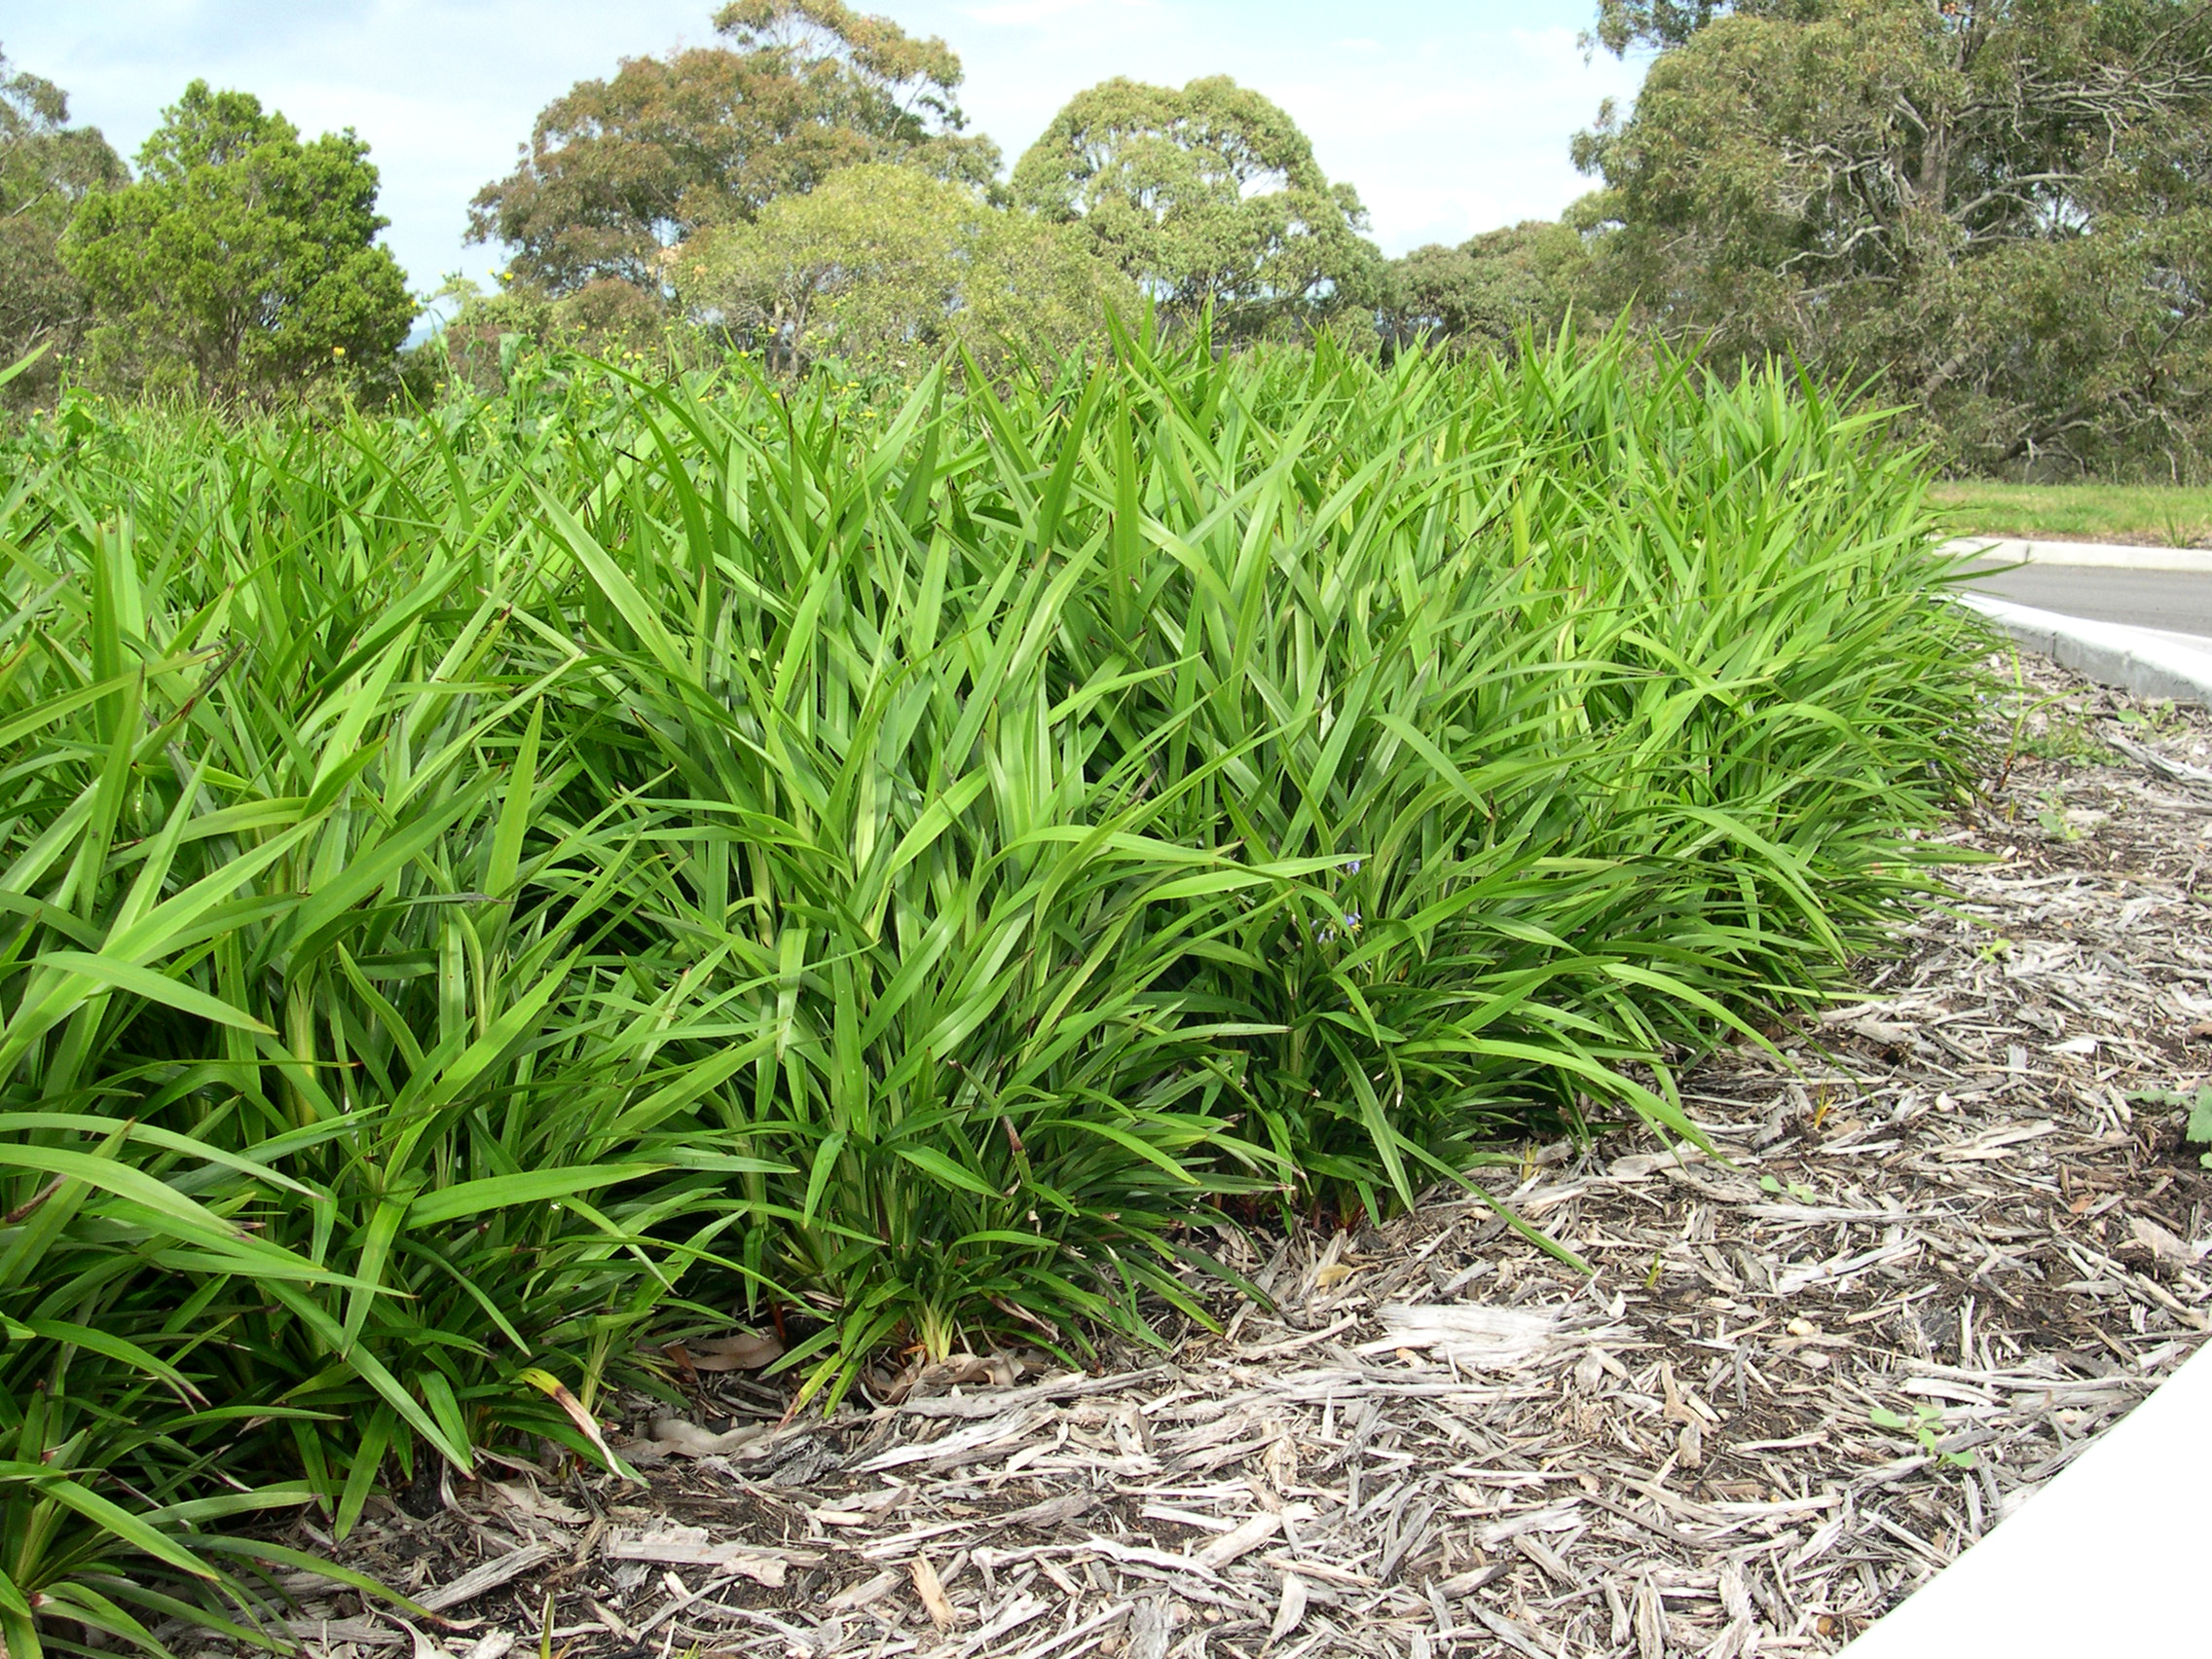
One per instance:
(2178,601)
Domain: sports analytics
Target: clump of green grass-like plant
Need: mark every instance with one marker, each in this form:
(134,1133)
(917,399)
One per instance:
(620,857)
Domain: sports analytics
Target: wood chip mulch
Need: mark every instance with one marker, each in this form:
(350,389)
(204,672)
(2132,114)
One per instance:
(1948,1244)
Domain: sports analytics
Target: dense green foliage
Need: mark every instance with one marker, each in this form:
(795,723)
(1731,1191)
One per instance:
(240,264)
(483,886)
(47,167)
(1998,211)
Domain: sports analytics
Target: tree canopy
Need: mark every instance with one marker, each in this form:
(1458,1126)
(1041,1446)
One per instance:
(1998,209)
(47,167)
(1625,23)
(241,263)
(1205,195)
(886,268)
(617,172)
(1482,292)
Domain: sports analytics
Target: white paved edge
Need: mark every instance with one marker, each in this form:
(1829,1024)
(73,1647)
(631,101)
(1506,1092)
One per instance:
(2108,1558)
(2111,555)
(2149,662)
(2197,642)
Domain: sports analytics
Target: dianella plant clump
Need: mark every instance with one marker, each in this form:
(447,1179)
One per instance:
(485,890)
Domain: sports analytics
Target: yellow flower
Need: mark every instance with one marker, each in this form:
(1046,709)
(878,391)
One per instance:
(338,350)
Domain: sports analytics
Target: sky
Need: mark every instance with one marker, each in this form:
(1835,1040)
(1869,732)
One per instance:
(1449,118)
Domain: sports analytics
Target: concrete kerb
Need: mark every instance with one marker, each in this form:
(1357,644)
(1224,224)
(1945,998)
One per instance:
(2011,550)
(2143,661)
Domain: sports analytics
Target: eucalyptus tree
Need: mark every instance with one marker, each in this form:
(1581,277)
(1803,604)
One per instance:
(1207,195)
(617,172)
(1999,211)
(885,268)
(1482,292)
(47,167)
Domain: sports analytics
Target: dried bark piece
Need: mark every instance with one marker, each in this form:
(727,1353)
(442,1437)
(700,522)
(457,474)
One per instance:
(675,1436)
(927,1586)
(1290,1609)
(1466,1333)
(743,1352)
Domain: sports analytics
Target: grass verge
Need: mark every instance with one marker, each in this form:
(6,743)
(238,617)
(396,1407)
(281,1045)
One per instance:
(2149,515)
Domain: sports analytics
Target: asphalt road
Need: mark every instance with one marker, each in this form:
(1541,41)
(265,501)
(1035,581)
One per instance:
(2179,601)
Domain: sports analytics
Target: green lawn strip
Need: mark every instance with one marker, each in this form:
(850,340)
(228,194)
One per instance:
(2149,515)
